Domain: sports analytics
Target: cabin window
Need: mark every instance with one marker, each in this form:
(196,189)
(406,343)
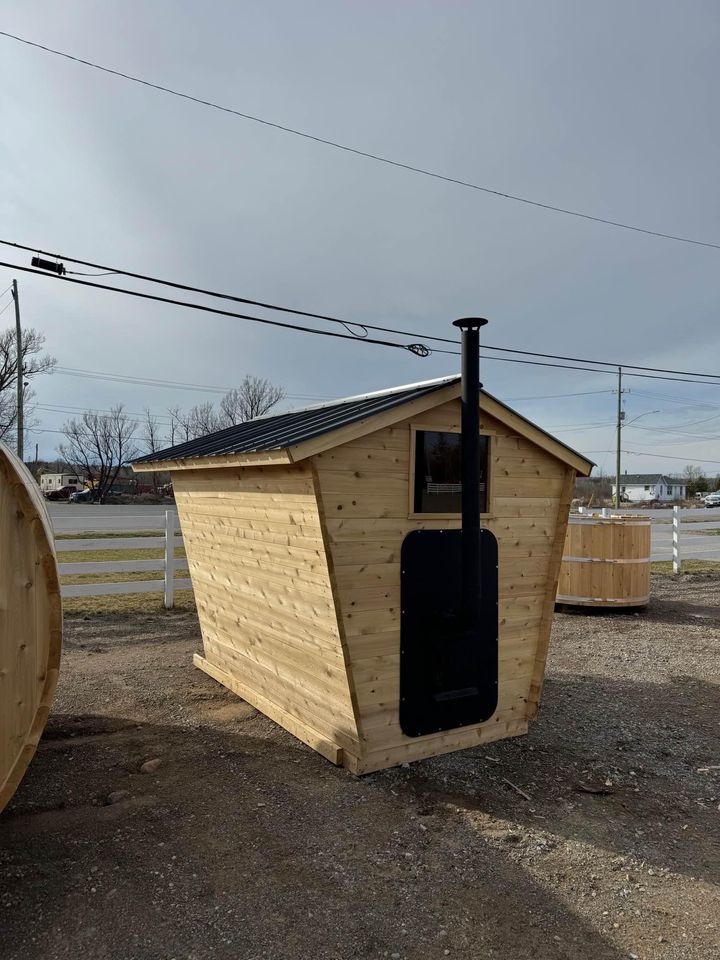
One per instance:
(438,472)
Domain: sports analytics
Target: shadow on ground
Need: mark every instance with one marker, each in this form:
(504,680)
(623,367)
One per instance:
(243,847)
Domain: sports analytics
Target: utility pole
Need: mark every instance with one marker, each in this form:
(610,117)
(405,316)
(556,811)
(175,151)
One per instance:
(20,377)
(618,461)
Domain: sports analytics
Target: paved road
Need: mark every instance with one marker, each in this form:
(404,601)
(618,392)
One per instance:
(82,517)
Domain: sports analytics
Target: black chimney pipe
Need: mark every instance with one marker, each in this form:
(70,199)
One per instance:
(470,450)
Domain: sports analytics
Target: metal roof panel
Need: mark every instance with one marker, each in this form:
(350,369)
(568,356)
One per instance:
(281,430)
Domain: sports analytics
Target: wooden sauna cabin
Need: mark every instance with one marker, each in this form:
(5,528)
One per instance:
(30,620)
(295,525)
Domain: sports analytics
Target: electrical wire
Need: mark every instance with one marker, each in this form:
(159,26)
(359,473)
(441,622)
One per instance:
(411,167)
(349,324)
(171,384)
(558,396)
(642,453)
(6,307)
(419,349)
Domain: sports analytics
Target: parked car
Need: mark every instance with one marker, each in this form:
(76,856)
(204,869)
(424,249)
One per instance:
(64,493)
(83,496)
(712,499)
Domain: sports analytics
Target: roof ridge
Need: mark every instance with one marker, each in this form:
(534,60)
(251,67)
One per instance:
(388,391)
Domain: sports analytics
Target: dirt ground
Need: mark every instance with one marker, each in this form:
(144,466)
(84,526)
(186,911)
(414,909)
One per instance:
(244,844)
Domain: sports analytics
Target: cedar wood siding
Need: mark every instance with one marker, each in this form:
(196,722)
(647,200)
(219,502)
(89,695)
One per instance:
(260,575)
(364,492)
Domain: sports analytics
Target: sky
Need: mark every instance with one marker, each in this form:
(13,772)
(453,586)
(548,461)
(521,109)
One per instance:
(610,109)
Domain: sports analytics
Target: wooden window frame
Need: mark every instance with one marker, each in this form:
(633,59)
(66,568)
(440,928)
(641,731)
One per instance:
(434,428)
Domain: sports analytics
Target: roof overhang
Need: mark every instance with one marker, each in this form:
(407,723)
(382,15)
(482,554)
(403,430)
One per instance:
(308,448)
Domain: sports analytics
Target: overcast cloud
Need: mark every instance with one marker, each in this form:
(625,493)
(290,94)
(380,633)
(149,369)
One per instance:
(608,108)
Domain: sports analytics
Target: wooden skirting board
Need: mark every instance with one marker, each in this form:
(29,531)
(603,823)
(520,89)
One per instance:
(331,751)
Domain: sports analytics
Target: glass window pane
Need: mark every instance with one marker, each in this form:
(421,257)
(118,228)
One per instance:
(438,472)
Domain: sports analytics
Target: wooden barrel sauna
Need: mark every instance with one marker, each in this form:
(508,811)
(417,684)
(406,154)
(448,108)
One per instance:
(606,562)
(30,620)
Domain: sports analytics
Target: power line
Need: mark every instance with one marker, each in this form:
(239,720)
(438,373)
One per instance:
(169,384)
(659,456)
(347,324)
(418,349)
(686,400)
(559,396)
(411,167)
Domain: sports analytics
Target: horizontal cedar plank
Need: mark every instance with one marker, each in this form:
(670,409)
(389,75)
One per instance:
(274,473)
(527,487)
(351,576)
(503,466)
(506,510)
(366,459)
(331,751)
(241,482)
(380,723)
(189,521)
(244,627)
(262,577)
(387,666)
(214,601)
(351,553)
(253,533)
(372,484)
(381,619)
(391,440)
(285,687)
(323,717)
(376,712)
(387,643)
(328,679)
(240,508)
(421,748)
(386,688)
(293,554)
(541,507)
(259,497)
(306,614)
(308,574)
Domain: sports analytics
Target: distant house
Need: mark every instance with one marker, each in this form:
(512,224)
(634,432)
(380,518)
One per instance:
(55,481)
(639,487)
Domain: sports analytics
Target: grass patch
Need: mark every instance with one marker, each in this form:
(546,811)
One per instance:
(128,604)
(70,579)
(109,534)
(100,556)
(688,566)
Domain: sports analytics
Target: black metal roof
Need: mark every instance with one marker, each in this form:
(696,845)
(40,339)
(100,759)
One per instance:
(277,431)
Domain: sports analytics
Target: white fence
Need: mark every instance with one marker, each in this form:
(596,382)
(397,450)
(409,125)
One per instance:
(690,536)
(680,534)
(169,540)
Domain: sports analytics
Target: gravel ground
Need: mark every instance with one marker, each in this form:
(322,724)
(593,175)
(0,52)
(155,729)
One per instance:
(241,843)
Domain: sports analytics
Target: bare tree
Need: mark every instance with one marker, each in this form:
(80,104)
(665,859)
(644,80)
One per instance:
(34,362)
(99,445)
(175,414)
(695,479)
(202,419)
(254,397)
(151,439)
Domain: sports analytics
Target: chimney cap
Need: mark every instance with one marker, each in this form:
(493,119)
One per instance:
(470,323)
